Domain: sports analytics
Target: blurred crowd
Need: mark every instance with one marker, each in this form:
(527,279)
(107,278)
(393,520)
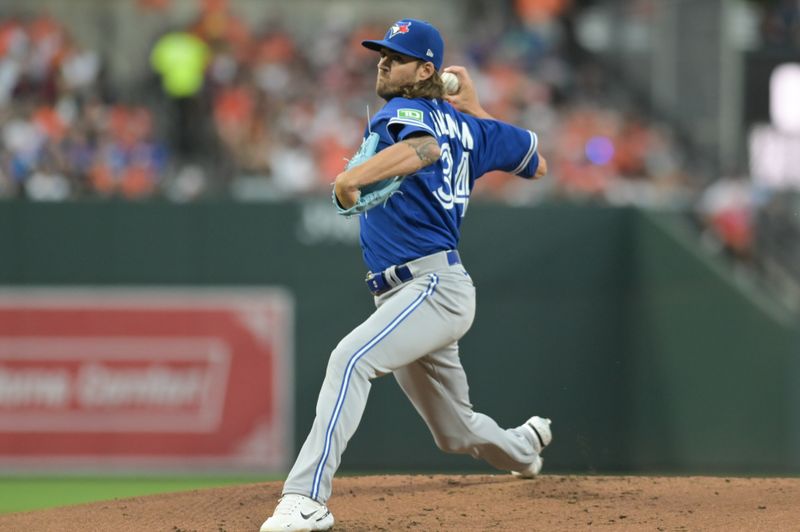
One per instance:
(742,217)
(60,137)
(256,110)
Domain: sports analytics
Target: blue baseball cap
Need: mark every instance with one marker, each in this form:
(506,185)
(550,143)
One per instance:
(415,38)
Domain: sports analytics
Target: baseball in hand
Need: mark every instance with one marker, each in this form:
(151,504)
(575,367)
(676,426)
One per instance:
(450,82)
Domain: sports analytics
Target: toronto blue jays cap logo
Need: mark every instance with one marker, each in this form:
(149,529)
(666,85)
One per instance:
(399,27)
(412,37)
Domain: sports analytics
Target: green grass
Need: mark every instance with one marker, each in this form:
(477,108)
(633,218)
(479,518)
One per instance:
(18,494)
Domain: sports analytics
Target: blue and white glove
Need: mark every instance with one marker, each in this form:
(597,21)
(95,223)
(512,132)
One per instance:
(374,193)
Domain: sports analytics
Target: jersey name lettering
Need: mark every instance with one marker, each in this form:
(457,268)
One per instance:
(446,125)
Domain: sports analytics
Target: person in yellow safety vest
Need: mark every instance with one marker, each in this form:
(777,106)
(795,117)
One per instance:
(181,58)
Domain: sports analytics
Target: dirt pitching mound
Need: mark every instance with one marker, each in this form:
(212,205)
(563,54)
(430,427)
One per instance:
(470,502)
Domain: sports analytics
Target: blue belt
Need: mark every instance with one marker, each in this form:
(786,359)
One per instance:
(381,282)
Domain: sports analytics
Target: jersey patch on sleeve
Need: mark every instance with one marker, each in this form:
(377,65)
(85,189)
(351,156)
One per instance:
(411,114)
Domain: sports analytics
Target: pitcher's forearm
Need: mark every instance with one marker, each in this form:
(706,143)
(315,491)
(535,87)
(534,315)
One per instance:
(403,158)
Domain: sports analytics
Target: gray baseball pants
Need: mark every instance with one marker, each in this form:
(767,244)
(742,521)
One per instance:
(414,334)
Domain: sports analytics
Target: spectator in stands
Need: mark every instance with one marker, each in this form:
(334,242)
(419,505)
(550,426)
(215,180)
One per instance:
(727,209)
(181,59)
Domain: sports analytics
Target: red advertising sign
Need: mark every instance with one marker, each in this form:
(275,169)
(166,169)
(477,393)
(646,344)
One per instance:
(145,377)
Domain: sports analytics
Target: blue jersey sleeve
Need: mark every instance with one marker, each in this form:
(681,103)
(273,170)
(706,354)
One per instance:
(401,118)
(508,148)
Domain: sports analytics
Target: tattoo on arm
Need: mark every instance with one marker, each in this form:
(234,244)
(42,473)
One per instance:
(426,147)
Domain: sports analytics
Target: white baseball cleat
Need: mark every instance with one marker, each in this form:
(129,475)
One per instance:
(539,428)
(298,513)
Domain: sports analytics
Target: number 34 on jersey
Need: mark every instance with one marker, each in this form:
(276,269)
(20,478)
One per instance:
(455,187)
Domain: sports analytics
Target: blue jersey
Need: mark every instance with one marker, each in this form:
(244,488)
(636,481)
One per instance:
(424,217)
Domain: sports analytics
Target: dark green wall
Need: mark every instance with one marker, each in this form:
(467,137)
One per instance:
(645,354)
(715,362)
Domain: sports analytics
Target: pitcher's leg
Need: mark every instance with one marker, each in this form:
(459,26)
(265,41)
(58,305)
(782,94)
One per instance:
(404,328)
(437,386)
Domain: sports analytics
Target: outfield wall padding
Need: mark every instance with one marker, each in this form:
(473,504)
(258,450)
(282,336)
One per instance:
(646,353)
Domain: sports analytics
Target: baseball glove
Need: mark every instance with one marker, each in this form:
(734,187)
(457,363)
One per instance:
(374,193)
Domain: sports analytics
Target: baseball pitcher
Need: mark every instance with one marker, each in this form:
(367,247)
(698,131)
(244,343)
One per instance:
(409,184)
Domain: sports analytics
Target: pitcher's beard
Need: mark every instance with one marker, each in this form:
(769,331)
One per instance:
(387,92)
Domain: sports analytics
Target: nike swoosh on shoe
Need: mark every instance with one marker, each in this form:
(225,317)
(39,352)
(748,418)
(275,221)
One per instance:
(538,436)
